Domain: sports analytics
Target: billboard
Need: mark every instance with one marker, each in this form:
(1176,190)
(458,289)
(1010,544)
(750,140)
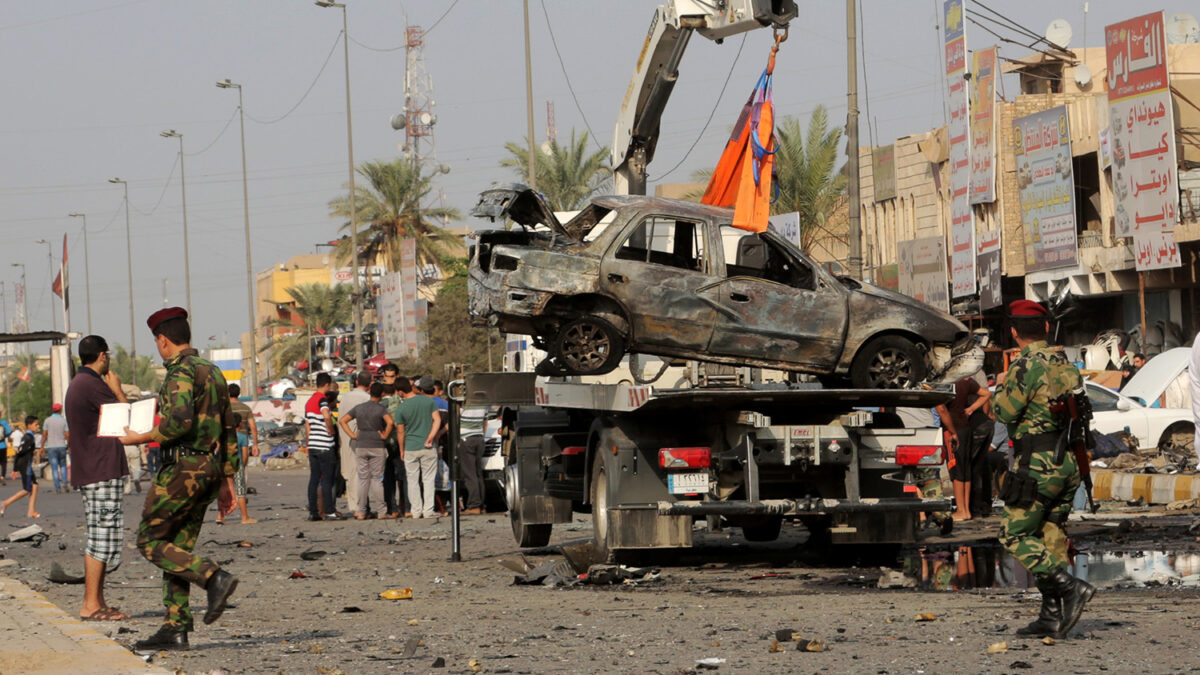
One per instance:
(962,224)
(391,315)
(408,290)
(989,269)
(983,127)
(922,271)
(1046,185)
(1142,135)
(883,172)
(788,226)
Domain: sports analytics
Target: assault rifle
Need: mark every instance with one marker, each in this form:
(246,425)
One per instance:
(1076,409)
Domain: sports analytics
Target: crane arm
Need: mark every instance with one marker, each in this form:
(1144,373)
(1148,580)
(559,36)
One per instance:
(657,70)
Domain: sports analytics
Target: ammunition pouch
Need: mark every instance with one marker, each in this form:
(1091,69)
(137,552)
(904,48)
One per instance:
(1018,489)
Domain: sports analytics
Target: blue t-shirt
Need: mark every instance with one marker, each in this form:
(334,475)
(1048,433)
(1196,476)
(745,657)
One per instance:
(7,433)
(441,403)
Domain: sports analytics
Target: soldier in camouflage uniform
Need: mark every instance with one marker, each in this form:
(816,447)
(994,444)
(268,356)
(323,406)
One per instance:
(1039,490)
(199,450)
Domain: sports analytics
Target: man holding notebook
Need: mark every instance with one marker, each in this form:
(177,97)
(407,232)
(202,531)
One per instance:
(98,469)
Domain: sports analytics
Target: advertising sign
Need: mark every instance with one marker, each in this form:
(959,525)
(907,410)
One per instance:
(787,225)
(883,172)
(922,271)
(391,315)
(1155,250)
(962,224)
(1142,124)
(19,322)
(983,127)
(1046,185)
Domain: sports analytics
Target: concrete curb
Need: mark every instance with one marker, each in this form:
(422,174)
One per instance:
(38,637)
(1151,488)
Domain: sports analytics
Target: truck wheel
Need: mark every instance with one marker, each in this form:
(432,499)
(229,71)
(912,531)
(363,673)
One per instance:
(526,535)
(762,529)
(1176,444)
(601,530)
(888,362)
(588,345)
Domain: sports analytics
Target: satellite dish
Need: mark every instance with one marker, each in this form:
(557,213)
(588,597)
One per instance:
(1059,33)
(1182,29)
(546,148)
(1083,75)
(426,118)
(398,121)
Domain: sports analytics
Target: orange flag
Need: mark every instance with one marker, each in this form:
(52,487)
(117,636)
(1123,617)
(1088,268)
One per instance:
(743,176)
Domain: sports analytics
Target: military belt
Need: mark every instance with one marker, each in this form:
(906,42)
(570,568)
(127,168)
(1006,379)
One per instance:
(1025,446)
(169,456)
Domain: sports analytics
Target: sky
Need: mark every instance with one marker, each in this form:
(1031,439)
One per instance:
(91,83)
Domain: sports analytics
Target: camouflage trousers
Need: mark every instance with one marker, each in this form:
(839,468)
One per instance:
(1035,535)
(171,520)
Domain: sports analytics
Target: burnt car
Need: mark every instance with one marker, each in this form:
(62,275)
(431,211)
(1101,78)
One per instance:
(676,279)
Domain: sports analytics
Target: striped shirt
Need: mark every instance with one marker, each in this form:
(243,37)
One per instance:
(319,438)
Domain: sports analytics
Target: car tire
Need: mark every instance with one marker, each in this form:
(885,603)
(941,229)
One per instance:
(888,362)
(762,529)
(1177,444)
(526,535)
(602,535)
(587,345)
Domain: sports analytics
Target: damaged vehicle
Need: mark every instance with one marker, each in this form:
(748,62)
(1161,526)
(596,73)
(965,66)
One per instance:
(675,279)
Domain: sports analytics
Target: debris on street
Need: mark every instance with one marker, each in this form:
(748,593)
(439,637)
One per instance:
(397,594)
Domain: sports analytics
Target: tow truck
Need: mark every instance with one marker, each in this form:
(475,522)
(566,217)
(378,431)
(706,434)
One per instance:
(722,443)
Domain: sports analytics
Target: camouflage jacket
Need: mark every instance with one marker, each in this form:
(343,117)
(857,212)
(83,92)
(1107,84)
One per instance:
(196,418)
(1034,379)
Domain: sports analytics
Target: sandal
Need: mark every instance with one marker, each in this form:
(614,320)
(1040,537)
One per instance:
(106,614)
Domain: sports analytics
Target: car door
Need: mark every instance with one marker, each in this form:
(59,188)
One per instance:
(1112,412)
(774,304)
(655,270)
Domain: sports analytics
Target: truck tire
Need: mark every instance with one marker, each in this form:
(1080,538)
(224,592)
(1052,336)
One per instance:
(587,345)
(525,534)
(762,529)
(888,362)
(602,536)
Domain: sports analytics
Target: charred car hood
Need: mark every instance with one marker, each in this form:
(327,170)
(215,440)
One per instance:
(523,206)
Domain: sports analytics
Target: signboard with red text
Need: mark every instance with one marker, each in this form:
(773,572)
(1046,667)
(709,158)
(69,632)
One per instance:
(1046,186)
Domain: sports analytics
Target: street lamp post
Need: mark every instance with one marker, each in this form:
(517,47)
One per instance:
(50,258)
(358,320)
(87,271)
(129,268)
(187,260)
(227,84)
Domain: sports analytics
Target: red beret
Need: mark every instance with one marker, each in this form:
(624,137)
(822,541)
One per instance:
(1019,309)
(164,314)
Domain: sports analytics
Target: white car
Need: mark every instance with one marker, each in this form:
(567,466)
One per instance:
(1138,406)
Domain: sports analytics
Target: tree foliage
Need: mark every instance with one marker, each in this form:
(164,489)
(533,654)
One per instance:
(390,208)
(450,337)
(566,174)
(27,398)
(148,377)
(809,179)
(320,308)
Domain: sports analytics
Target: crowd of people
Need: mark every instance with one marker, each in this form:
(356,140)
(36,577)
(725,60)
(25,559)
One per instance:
(386,440)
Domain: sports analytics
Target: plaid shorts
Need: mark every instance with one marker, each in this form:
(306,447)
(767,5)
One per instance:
(103,509)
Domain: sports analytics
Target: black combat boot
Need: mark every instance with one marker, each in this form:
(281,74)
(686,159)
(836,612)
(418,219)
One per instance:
(220,586)
(1048,619)
(166,639)
(1074,595)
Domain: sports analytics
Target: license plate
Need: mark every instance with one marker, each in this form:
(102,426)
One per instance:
(687,483)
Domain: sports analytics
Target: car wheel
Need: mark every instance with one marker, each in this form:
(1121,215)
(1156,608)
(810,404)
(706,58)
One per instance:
(588,345)
(1177,445)
(888,362)
(601,526)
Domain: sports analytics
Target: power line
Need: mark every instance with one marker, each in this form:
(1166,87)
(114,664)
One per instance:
(219,135)
(711,114)
(862,45)
(161,194)
(399,47)
(306,91)
(571,89)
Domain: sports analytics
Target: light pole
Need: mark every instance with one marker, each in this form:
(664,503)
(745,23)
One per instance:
(358,320)
(129,268)
(187,260)
(227,84)
(50,258)
(87,271)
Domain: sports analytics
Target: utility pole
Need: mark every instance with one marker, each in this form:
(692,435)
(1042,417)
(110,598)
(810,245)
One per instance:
(855,261)
(529,102)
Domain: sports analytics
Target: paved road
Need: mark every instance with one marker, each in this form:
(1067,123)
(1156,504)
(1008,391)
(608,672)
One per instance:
(707,604)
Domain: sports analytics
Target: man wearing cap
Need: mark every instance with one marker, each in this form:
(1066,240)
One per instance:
(417,423)
(199,451)
(54,443)
(1038,492)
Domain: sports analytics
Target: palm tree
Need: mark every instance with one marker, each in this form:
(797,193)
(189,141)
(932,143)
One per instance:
(148,377)
(809,179)
(566,175)
(390,205)
(319,308)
